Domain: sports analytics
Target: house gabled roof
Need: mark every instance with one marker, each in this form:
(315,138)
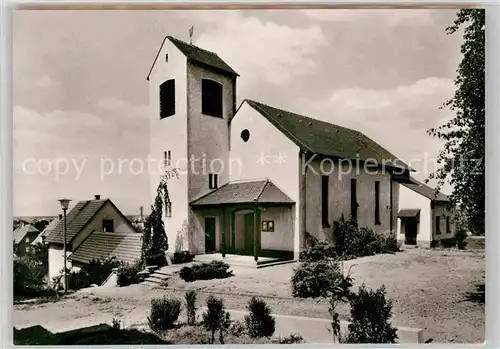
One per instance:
(425,190)
(125,247)
(245,192)
(320,137)
(79,216)
(21,232)
(198,55)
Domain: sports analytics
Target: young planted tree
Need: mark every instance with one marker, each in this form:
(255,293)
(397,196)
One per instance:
(190,300)
(216,318)
(155,242)
(370,318)
(259,321)
(461,161)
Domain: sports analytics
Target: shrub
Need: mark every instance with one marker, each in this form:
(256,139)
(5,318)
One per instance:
(206,271)
(461,236)
(29,278)
(370,316)
(352,242)
(448,243)
(159,259)
(216,318)
(319,279)
(128,274)
(325,279)
(318,251)
(259,321)
(164,313)
(294,338)
(95,272)
(237,329)
(190,299)
(387,243)
(183,257)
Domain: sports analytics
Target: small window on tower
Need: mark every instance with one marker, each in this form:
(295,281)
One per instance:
(166,57)
(245,135)
(167,158)
(211,98)
(212,181)
(167,98)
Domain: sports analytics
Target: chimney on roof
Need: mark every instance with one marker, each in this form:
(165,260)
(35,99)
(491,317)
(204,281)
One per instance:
(97,197)
(60,216)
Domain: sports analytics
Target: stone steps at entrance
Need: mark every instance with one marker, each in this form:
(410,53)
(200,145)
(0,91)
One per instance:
(241,260)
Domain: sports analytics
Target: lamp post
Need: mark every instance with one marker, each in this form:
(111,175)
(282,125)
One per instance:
(64,206)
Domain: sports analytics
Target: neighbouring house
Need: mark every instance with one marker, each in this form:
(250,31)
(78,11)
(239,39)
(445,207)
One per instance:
(41,237)
(253,180)
(86,217)
(424,215)
(23,237)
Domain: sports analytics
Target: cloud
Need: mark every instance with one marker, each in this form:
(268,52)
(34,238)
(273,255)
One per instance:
(263,51)
(396,118)
(392,17)
(122,108)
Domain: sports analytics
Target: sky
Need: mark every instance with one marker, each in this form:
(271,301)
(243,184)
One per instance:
(80,95)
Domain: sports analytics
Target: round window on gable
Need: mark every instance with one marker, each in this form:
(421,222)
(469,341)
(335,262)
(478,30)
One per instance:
(245,135)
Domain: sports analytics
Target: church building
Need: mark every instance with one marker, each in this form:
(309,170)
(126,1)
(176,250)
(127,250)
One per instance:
(253,179)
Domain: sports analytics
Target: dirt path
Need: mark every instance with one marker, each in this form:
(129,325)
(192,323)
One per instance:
(428,289)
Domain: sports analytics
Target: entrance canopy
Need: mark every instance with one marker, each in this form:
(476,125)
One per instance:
(409,213)
(245,192)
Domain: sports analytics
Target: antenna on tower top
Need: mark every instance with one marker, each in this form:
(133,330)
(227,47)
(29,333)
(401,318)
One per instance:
(191,30)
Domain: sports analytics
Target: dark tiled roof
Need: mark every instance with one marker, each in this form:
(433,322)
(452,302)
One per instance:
(258,191)
(198,55)
(425,190)
(76,219)
(98,245)
(323,138)
(21,232)
(411,212)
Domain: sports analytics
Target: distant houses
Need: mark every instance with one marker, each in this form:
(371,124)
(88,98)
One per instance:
(24,235)
(51,226)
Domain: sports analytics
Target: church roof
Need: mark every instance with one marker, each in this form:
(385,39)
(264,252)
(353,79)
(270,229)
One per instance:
(198,55)
(324,138)
(425,190)
(245,192)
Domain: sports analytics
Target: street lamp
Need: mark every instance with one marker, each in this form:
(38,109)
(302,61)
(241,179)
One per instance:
(64,206)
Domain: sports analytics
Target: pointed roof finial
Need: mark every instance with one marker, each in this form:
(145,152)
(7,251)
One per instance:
(191,30)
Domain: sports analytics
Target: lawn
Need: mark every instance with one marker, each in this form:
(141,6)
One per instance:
(431,289)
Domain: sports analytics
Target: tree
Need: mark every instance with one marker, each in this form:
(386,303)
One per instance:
(216,318)
(155,242)
(40,225)
(461,161)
